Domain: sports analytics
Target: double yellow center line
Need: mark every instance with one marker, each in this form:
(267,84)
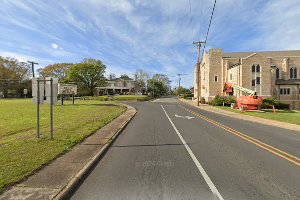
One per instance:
(291,158)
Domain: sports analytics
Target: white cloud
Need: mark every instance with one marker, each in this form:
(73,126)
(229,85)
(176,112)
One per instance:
(54,46)
(24,58)
(132,34)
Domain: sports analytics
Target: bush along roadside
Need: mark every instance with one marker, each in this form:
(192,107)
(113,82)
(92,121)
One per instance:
(268,102)
(188,96)
(220,101)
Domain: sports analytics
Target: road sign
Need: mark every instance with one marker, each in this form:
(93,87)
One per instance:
(25,91)
(67,89)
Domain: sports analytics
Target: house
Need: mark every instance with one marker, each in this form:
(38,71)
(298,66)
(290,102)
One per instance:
(270,74)
(124,85)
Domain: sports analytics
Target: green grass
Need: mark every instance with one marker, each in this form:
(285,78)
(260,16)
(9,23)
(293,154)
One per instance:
(21,153)
(131,97)
(290,116)
(119,98)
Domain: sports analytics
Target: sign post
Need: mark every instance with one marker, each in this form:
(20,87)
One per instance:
(25,92)
(40,86)
(64,89)
(38,109)
(51,107)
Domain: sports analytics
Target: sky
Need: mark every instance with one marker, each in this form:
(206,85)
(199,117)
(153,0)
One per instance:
(153,35)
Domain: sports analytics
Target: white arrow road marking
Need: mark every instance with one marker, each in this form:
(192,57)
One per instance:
(210,184)
(187,117)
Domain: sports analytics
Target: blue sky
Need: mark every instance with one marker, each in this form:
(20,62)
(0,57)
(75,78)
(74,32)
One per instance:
(154,35)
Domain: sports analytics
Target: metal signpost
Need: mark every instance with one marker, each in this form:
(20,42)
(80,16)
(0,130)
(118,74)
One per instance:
(25,92)
(38,86)
(64,89)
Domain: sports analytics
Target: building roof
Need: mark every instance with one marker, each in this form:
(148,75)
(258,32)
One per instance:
(123,78)
(287,53)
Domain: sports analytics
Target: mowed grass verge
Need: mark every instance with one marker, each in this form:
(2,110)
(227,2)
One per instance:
(119,98)
(290,116)
(21,153)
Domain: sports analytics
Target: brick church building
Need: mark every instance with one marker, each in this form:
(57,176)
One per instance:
(270,73)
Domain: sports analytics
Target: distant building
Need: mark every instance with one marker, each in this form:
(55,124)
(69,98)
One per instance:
(272,73)
(123,85)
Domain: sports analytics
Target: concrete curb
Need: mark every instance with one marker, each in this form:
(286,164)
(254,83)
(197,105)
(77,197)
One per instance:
(69,188)
(269,122)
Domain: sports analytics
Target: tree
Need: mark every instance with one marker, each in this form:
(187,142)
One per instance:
(165,81)
(90,72)
(12,75)
(156,87)
(58,70)
(112,76)
(124,76)
(141,78)
(182,90)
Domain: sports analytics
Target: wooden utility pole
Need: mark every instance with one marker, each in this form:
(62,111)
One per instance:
(32,66)
(179,83)
(198,44)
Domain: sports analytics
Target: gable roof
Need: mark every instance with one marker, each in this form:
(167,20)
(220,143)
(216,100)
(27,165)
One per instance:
(124,78)
(287,53)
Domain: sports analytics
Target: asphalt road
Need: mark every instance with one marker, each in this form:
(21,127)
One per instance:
(164,155)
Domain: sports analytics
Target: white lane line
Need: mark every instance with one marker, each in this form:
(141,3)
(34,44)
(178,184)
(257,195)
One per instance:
(197,163)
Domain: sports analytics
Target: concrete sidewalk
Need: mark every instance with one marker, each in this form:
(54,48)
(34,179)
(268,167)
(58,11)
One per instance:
(58,178)
(264,121)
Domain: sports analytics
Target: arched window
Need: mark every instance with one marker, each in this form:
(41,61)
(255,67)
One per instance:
(293,73)
(257,68)
(277,73)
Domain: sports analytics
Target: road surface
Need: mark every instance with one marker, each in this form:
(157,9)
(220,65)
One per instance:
(171,150)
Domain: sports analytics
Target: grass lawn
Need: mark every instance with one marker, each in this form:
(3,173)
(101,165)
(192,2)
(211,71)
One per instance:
(290,116)
(120,98)
(21,153)
(131,97)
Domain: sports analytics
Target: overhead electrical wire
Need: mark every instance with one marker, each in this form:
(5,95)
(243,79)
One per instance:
(212,14)
(191,17)
(202,5)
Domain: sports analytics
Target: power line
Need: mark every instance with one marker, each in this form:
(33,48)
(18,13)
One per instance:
(191,17)
(212,14)
(202,5)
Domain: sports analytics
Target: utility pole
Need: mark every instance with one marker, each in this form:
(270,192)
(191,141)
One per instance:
(198,44)
(179,83)
(32,66)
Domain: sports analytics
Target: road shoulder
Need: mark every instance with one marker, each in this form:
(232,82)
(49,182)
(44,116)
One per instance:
(264,121)
(58,179)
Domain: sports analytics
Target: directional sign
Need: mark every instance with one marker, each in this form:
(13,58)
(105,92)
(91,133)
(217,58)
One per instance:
(186,117)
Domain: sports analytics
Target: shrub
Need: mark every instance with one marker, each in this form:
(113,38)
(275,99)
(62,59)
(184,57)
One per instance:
(202,100)
(217,101)
(283,106)
(188,96)
(268,102)
(229,100)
